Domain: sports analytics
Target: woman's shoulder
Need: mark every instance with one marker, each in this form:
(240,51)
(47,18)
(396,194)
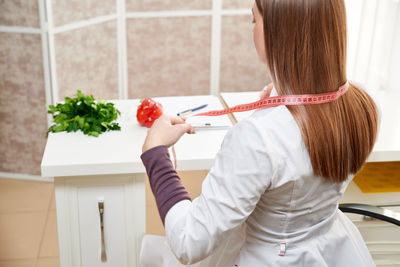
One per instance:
(273,128)
(266,119)
(276,133)
(278,122)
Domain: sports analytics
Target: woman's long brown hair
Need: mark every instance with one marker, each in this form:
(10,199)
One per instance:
(305,42)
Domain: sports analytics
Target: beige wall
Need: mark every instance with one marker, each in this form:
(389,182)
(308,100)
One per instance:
(168,53)
(87,59)
(19,13)
(22,97)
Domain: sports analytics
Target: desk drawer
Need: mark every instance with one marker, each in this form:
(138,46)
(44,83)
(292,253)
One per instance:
(114,226)
(78,219)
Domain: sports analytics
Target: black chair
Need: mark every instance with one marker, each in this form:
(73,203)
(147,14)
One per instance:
(372,211)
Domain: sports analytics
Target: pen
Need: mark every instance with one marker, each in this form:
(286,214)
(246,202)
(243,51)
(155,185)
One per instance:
(186,112)
(208,126)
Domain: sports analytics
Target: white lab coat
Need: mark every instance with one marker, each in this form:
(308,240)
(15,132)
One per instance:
(261,205)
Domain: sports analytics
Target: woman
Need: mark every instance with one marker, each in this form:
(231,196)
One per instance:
(271,198)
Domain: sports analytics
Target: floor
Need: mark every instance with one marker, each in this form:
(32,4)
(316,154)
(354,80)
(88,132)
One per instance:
(28,225)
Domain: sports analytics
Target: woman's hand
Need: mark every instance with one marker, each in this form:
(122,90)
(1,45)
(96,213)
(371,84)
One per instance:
(266,91)
(166,131)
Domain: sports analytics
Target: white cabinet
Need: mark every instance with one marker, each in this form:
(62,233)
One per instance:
(78,219)
(87,168)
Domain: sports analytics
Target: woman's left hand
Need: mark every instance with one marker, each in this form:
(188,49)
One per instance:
(166,131)
(266,92)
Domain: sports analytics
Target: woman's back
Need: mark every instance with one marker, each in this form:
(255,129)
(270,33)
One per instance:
(296,198)
(296,222)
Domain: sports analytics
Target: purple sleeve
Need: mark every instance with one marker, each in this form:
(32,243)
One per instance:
(164,181)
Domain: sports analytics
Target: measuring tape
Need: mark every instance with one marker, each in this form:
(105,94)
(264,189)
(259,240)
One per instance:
(287,100)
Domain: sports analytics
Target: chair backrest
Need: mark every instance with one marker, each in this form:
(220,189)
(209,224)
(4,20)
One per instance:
(380,229)
(372,211)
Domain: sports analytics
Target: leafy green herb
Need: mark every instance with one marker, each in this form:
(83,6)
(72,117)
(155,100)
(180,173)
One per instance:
(85,114)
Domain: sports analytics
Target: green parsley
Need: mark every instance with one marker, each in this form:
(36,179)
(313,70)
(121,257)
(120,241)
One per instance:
(85,114)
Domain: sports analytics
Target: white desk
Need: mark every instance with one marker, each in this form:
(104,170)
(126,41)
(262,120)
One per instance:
(87,168)
(109,167)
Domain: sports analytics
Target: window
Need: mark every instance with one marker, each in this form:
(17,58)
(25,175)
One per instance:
(374,43)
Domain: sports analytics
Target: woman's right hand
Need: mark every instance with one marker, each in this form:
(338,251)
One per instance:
(266,91)
(166,130)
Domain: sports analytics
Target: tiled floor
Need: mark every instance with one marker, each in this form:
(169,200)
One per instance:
(28,225)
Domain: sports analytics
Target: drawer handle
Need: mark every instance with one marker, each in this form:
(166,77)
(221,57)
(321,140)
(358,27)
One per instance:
(103,247)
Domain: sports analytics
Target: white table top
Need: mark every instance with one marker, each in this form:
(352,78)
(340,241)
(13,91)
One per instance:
(116,152)
(72,154)
(387,146)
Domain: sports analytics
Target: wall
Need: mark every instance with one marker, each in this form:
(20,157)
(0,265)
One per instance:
(119,49)
(113,49)
(22,89)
